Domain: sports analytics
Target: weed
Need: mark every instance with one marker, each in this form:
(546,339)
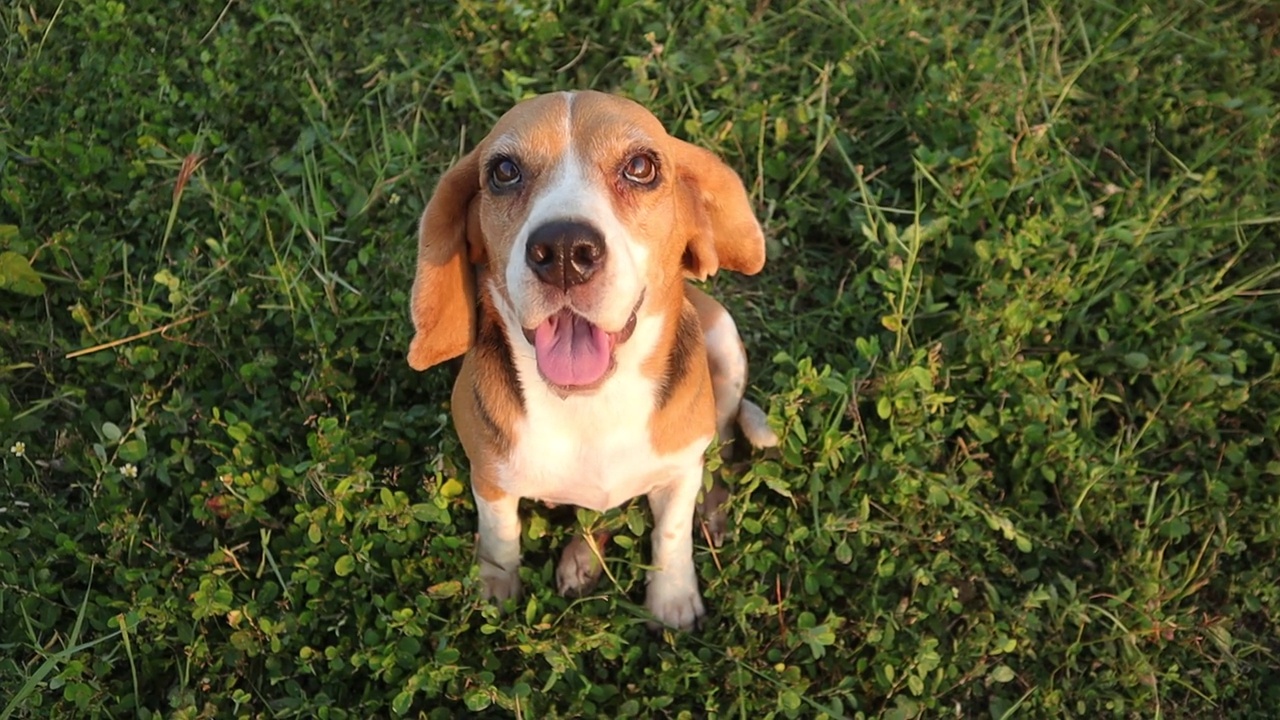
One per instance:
(1018,334)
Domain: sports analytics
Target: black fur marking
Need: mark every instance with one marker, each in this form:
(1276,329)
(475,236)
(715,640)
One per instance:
(688,334)
(491,426)
(494,351)
(493,347)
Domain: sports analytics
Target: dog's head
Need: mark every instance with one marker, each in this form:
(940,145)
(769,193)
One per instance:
(585,213)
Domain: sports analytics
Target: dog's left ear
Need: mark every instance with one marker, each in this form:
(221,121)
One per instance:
(715,215)
(443,302)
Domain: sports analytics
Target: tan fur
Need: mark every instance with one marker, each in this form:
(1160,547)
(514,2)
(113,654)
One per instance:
(720,234)
(690,412)
(442,302)
(473,433)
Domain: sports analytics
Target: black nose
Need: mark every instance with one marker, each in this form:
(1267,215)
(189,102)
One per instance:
(564,253)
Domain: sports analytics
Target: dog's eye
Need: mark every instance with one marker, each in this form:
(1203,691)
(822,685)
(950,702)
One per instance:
(641,169)
(504,173)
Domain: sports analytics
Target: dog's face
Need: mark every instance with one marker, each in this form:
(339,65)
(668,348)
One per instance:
(586,214)
(577,214)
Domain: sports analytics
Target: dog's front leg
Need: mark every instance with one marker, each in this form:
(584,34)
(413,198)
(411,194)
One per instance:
(499,544)
(673,595)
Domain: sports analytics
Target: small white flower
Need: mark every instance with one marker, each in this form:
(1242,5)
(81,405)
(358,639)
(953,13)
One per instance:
(129,470)
(394,199)
(19,448)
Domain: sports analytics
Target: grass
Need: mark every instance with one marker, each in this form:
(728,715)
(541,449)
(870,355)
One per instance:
(1018,333)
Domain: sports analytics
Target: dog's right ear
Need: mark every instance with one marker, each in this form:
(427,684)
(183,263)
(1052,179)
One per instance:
(443,303)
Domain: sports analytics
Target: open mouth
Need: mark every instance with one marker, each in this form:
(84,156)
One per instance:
(573,353)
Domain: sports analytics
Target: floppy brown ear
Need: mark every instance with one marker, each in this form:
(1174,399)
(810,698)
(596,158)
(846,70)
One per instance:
(721,228)
(443,303)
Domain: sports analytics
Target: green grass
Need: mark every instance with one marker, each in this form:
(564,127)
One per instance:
(1018,332)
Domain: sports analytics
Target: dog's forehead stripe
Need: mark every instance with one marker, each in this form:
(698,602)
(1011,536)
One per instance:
(540,126)
(568,115)
(548,126)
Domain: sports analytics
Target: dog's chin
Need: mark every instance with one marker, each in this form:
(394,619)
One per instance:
(581,331)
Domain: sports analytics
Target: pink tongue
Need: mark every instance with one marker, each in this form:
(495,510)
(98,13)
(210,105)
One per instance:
(571,351)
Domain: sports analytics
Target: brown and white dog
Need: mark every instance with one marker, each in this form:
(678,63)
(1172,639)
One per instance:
(555,255)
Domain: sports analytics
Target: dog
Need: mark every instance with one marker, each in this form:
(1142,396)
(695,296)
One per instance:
(554,258)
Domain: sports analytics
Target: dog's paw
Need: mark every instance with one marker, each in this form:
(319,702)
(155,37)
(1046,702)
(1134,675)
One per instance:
(580,568)
(712,510)
(674,604)
(499,584)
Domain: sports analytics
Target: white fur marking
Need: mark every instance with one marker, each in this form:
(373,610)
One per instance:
(499,548)
(755,426)
(672,595)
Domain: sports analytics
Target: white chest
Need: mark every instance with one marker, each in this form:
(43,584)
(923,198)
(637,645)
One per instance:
(592,459)
(594,451)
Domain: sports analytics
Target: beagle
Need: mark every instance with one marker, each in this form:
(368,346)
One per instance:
(554,256)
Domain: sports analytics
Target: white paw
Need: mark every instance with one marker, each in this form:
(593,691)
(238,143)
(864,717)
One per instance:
(498,583)
(676,604)
(579,568)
